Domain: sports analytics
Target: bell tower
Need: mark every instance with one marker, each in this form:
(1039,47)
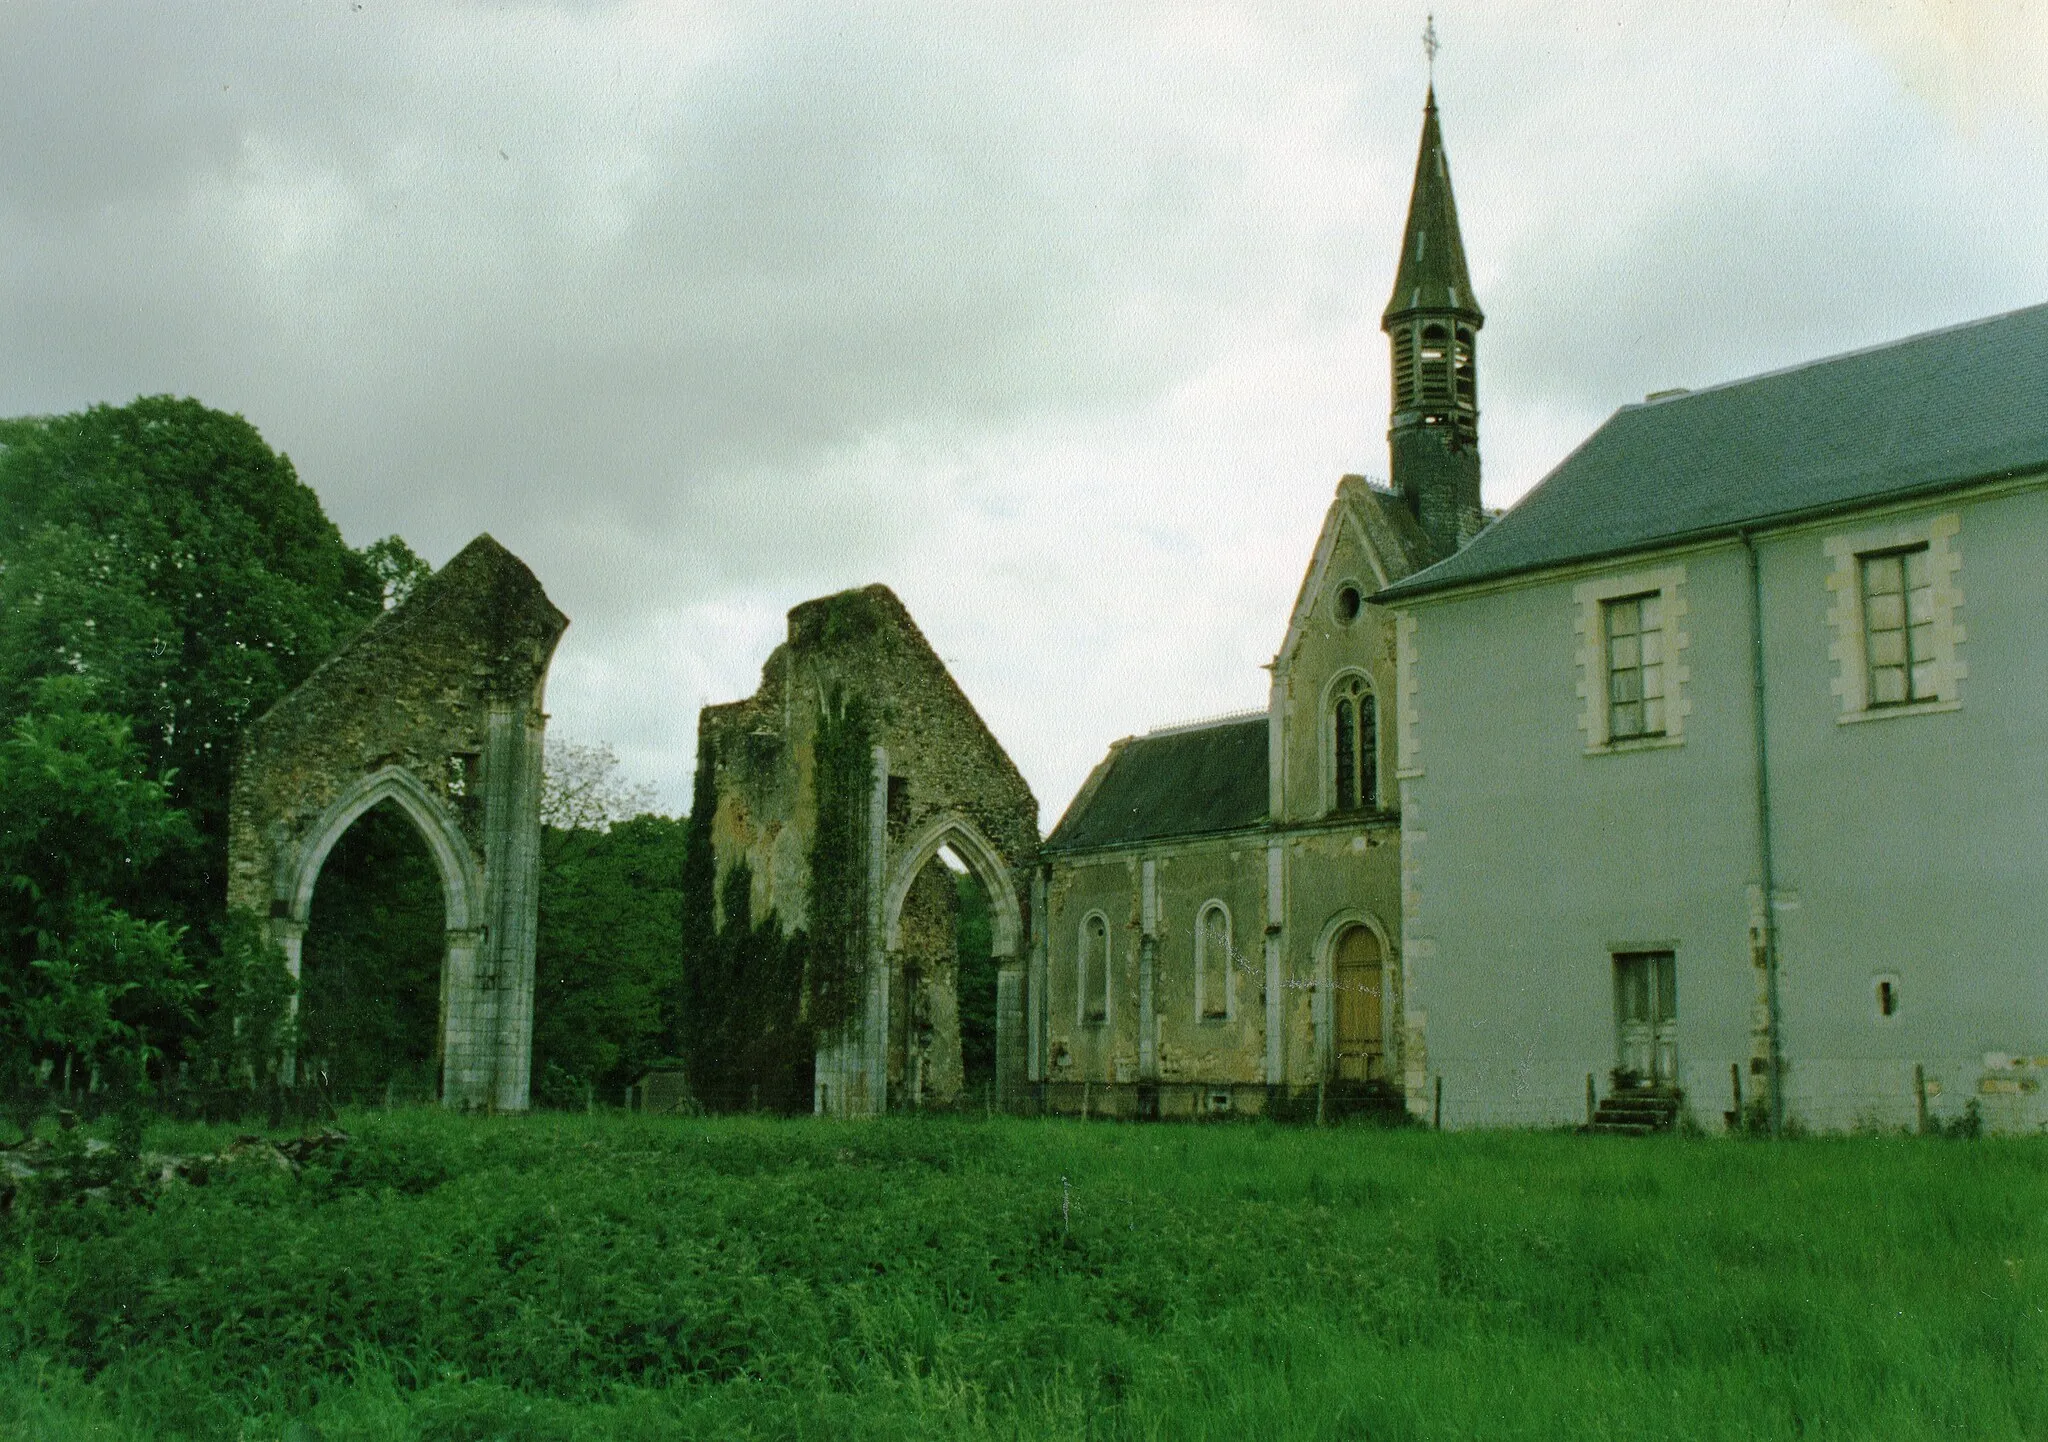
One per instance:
(1432,321)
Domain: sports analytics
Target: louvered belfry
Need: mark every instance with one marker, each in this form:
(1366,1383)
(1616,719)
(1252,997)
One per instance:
(1432,321)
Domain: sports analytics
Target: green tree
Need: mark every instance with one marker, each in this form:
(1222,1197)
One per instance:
(977,983)
(83,977)
(608,954)
(164,551)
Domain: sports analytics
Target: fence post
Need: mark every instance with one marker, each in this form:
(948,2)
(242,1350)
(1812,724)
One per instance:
(1439,1118)
(1920,1097)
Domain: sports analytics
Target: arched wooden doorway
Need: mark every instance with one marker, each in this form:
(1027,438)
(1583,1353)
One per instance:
(1357,984)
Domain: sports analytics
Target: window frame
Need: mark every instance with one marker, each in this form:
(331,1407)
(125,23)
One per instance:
(1355,687)
(1937,536)
(1590,598)
(1916,643)
(1647,634)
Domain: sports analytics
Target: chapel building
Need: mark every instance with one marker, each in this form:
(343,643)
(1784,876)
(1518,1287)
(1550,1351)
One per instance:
(1217,916)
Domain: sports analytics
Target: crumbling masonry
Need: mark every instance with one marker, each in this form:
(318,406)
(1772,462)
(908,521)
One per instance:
(436,708)
(935,778)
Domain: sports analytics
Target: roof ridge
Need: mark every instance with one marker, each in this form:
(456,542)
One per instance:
(1684,393)
(1204,723)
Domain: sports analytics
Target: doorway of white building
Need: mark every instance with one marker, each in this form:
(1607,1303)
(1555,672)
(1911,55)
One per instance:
(1646,1018)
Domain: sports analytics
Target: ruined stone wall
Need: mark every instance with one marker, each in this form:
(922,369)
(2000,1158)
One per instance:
(939,777)
(435,707)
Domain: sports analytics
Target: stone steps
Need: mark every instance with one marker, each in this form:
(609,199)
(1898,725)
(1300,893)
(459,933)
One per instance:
(1636,1113)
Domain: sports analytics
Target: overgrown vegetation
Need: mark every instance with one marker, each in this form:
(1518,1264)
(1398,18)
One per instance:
(621,1276)
(90,978)
(758,1000)
(845,772)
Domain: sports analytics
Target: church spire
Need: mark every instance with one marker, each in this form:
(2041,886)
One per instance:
(1432,320)
(1432,275)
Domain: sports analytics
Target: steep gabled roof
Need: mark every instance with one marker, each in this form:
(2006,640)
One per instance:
(1928,413)
(1186,781)
(1388,533)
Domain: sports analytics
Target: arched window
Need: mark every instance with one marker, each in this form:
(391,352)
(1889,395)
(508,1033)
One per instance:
(1092,968)
(1354,746)
(1213,963)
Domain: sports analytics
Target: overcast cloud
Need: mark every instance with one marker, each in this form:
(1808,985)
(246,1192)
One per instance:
(1062,320)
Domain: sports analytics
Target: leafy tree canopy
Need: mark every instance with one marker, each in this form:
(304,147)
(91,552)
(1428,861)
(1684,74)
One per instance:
(609,955)
(82,975)
(163,551)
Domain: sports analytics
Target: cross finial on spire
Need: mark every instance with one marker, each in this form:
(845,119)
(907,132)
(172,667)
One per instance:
(1429,47)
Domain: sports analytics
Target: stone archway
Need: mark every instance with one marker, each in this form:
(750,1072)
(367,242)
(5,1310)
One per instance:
(463,1032)
(936,777)
(949,1002)
(1006,916)
(436,708)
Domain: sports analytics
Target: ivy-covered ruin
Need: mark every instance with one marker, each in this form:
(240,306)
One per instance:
(837,811)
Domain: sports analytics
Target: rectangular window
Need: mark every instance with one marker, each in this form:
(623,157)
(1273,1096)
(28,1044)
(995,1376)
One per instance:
(1635,666)
(1898,626)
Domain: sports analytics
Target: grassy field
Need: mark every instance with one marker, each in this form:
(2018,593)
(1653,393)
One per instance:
(618,1276)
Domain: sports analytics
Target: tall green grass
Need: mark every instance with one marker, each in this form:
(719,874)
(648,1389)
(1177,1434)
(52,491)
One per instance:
(567,1277)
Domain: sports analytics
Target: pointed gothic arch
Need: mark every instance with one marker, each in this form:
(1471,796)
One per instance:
(1006,915)
(460,870)
(435,707)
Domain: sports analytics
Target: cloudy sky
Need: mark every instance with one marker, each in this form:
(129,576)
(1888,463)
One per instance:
(1060,319)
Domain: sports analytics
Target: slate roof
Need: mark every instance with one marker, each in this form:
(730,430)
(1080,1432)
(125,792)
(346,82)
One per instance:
(1924,414)
(1182,782)
(1432,274)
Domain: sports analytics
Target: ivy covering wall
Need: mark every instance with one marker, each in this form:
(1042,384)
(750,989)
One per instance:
(839,861)
(755,1000)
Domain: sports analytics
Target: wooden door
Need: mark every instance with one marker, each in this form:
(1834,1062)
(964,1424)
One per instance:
(1357,972)
(1646,1016)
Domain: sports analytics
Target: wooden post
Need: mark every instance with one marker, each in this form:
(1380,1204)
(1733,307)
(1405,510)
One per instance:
(1735,1086)
(1590,1107)
(1084,1100)
(1439,1117)
(1920,1098)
